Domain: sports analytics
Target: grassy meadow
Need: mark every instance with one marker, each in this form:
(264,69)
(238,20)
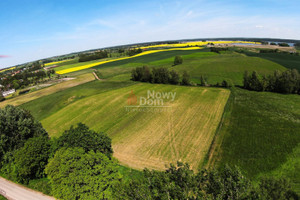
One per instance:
(260,134)
(47,105)
(228,66)
(215,67)
(146,138)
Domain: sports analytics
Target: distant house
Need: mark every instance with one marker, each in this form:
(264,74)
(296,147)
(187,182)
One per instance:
(8,92)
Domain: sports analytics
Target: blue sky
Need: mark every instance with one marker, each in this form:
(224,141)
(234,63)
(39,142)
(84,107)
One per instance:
(35,29)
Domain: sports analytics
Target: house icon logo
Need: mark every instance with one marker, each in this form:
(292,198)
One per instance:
(132,99)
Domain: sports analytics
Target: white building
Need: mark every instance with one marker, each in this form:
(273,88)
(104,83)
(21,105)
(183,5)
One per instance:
(8,92)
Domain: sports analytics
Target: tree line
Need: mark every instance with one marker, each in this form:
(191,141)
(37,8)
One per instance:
(277,51)
(162,75)
(159,75)
(181,182)
(287,82)
(283,44)
(83,57)
(132,52)
(218,49)
(268,51)
(79,165)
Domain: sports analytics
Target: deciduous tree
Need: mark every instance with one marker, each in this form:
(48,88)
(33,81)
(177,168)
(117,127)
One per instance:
(75,174)
(82,136)
(31,159)
(178,60)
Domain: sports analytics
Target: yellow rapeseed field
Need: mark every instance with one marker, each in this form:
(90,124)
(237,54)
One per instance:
(65,71)
(4,70)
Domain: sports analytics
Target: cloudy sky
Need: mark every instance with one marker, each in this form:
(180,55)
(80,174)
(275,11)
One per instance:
(35,29)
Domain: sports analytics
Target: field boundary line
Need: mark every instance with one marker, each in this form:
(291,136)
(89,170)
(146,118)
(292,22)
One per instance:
(214,144)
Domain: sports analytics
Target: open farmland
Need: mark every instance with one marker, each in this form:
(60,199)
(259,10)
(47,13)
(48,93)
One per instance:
(216,67)
(86,66)
(149,139)
(49,90)
(229,66)
(45,106)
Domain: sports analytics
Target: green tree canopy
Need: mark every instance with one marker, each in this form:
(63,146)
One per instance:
(180,182)
(185,79)
(75,174)
(82,136)
(174,77)
(178,60)
(16,126)
(31,159)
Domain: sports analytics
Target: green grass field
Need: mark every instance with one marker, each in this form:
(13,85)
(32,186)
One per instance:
(47,105)
(286,60)
(228,66)
(216,67)
(142,138)
(260,134)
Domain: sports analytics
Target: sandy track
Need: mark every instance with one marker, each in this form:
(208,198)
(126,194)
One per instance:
(13,191)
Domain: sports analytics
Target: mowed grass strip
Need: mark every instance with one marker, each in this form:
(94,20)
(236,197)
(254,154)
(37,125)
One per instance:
(49,90)
(149,138)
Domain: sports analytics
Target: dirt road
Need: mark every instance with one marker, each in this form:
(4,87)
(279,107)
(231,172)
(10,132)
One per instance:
(13,191)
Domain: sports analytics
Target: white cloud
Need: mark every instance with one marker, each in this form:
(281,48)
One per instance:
(259,26)
(169,21)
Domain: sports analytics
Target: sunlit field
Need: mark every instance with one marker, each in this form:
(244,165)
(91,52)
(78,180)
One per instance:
(65,71)
(183,131)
